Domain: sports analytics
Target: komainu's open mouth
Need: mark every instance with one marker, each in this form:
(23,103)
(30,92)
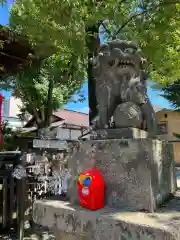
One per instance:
(126,63)
(122,63)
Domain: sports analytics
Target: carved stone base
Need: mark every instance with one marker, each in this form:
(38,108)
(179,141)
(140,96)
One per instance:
(118,133)
(139,173)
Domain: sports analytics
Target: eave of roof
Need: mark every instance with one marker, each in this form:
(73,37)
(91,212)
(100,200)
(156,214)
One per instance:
(14,52)
(69,117)
(167,110)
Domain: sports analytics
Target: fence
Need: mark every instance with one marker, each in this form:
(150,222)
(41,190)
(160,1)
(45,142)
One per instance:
(14,195)
(17,195)
(11,189)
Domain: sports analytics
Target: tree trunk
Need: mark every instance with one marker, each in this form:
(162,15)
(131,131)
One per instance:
(93,43)
(49,110)
(42,126)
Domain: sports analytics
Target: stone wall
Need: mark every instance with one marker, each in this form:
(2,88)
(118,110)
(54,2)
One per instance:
(138,173)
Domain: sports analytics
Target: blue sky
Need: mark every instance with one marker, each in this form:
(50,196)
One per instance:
(83,107)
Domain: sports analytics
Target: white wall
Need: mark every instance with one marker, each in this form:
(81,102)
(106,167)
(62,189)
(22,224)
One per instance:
(65,133)
(14,106)
(10,111)
(75,134)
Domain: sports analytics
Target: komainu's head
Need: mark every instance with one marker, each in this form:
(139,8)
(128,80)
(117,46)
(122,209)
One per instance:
(120,58)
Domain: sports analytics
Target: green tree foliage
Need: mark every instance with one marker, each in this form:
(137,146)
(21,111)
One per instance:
(156,28)
(46,86)
(9,138)
(62,25)
(48,83)
(2,2)
(73,27)
(177,135)
(172,93)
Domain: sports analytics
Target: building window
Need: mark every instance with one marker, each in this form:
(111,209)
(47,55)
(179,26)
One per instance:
(165,115)
(163,128)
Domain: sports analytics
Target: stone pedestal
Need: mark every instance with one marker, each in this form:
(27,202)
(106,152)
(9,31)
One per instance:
(139,174)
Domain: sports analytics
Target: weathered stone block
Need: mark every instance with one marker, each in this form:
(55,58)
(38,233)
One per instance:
(139,173)
(50,144)
(119,133)
(70,222)
(66,236)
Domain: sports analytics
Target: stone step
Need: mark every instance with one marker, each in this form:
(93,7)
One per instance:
(75,223)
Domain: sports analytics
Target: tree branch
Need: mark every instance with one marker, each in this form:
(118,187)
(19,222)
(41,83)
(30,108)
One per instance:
(104,26)
(127,22)
(141,13)
(122,2)
(106,29)
(13,57)
(34,110)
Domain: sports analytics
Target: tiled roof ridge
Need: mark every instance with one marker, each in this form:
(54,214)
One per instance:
(68,110)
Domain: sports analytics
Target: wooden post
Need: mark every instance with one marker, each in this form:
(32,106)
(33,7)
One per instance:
(5,202)
(11,200)
(21,207)
(18,194)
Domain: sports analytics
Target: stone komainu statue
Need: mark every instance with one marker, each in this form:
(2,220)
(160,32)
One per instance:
(121,88)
